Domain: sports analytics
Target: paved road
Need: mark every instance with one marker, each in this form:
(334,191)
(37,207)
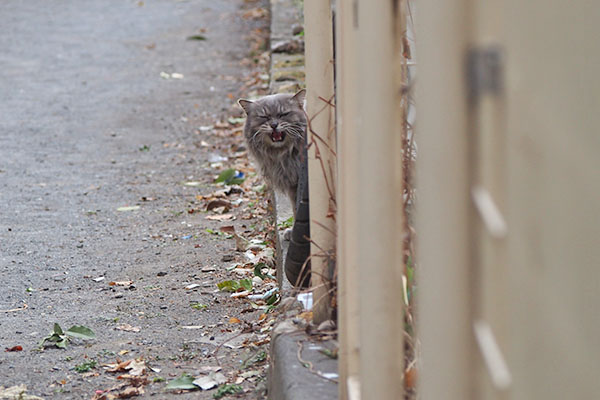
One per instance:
(88,125)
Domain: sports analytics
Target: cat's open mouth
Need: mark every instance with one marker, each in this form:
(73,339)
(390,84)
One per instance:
(277,136)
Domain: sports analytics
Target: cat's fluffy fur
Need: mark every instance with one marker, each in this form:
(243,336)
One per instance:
(275,132)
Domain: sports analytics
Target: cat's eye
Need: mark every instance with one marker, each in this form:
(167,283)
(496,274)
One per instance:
(262,117)
(285,114)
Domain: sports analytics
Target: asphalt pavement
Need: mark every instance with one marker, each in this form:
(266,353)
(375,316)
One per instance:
(99,110)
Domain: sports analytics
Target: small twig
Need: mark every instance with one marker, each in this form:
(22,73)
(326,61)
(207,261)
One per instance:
(309,365)
(25,306)
(222,343)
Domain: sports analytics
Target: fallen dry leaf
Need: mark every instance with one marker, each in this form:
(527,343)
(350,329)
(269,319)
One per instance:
(134,368)
(128,328)
(234,320)
(241,244)
(410,378)
(120,283)
(228,229)
(255,13)
(306,315)
(114,393)
(17,392)
(222,217)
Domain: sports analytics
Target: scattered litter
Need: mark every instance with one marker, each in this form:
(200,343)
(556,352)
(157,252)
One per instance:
(174,75)
(210,368)
(128,328)
(184,382)
(17,392)
(187,237)
(25,306)
(120,283)
(98,279)
(193,183)
(211,381)
(213,158)
(12,349)
(128,208)
(306,299)
(192,286)
(264,296)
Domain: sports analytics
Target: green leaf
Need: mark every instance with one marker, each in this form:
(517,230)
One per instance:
(86,366)
(58,330)
(228,286)
(196,37)
(183,382)
(236,121)
(81,332)
(226,389)
(330,353)
(272,299)
(288,223)
(62,343)
(246,284)
(235,181)
(54,338)
(258,270)
(226,176)
(198,306)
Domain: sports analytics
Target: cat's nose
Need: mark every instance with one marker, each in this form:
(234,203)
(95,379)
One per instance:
(274,124)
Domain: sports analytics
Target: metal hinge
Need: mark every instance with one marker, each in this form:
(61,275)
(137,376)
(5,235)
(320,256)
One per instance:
(484,71)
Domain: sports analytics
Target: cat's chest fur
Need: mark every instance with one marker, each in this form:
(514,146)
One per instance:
(275,132)
(280,168)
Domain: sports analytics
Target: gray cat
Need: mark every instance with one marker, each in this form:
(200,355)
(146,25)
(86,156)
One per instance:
(275,131)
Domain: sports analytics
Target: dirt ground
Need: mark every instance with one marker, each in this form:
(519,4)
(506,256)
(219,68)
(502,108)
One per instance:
(113,127)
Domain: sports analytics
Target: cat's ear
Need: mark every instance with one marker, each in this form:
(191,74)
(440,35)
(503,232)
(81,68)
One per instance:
(299,98)
(245,104)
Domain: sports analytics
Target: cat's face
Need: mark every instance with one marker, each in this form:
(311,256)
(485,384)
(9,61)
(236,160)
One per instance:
(276,120)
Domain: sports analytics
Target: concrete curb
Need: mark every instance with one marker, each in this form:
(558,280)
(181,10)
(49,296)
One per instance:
(299,369)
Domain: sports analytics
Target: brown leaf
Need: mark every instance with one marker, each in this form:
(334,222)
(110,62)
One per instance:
(14,348)
(119,366)
(132,367)
(410,378)
(228,229)
(120,283)
(241,244)
(218,203)
(222,217)
(128,328)
(129,392)
(234,320)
